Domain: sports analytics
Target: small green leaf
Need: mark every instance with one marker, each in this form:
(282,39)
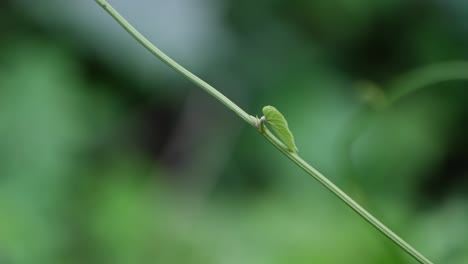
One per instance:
(279,125)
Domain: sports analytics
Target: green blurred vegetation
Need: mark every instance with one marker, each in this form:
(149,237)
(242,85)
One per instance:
(106,156)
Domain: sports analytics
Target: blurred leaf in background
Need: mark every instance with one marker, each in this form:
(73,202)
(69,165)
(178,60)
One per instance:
(107,156)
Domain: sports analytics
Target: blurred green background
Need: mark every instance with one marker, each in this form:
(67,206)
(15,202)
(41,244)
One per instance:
(107,156)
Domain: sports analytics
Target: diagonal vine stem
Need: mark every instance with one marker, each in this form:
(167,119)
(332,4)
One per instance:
(253,121)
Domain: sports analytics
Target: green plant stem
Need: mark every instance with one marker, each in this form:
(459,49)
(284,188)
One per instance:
(174,65)
(347,199)
(267,134)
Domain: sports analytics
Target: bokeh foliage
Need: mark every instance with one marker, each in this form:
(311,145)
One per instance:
(106,156)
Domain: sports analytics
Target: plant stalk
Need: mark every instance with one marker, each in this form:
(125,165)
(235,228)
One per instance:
(253,121)
(174,65)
